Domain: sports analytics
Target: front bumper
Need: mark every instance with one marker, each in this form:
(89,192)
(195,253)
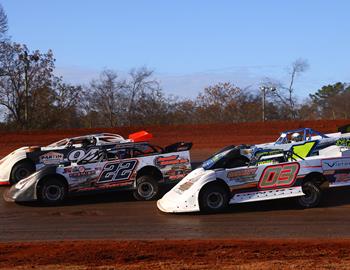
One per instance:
(177,204)
(23,191)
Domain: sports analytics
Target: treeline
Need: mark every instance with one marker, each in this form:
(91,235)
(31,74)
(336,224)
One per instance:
(32,97)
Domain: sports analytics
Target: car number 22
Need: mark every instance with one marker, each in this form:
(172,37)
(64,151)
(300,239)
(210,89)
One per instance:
(116,171)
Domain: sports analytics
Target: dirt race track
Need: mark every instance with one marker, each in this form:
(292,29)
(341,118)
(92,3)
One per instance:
(185,254)
(116,216)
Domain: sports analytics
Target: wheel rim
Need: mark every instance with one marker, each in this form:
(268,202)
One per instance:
(21,173)
(53,192)
(145,190)
(309,197)
(215,200)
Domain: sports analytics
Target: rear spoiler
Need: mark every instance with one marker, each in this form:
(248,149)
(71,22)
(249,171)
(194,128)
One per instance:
(177,147)
(140,136)
(344,129)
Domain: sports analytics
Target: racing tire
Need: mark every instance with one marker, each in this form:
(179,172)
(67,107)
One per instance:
(214,198)
(312,195)
(52,191)
(146,188)
(20,171)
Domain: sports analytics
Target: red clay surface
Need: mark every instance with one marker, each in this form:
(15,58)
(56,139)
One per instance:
(186,254)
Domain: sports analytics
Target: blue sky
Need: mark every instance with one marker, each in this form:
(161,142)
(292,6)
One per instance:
(190,44)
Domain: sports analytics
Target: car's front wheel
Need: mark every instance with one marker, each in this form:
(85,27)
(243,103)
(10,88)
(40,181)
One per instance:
(213,198)
(312,195)
(52,191)
(146,188)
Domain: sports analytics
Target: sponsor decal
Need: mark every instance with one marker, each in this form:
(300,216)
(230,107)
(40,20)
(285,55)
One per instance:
(281,175)
(260,153)
(336,164)
(342,177)
(176,174)
(210,162)
(185,186)
(67,170)
(343,142)
(267,161)
(169,160)
(177,177)
(81,171)
(117,171)
(242,175)
(51,158)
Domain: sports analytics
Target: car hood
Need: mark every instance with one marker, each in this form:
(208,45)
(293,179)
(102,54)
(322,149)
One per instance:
(184,196)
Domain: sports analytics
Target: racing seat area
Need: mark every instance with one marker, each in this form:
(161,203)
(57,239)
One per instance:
(177,147)
(122,154)
(283,156)
(146,150)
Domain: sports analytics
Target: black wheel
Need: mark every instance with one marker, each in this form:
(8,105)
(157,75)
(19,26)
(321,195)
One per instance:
(52,191)
(146,188)
(21,170)
(214,198)
(312,195)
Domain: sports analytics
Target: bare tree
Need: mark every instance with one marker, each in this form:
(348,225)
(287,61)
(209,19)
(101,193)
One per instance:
(3,23)
(219,103)
(299,66)
(66,95)
(21,74)
(181,111)
(107,96)
(67,103)
(221,93)
(286,94)
(140,83)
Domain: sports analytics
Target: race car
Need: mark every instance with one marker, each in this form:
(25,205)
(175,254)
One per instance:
(140,167)
(301,137)
(229,177)
(304,142)
(24,161)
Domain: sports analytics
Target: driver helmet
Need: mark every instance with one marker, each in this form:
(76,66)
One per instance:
(87,142)
(296,137)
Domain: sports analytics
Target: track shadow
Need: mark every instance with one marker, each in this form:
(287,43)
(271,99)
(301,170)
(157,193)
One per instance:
(109,196)
(330,198)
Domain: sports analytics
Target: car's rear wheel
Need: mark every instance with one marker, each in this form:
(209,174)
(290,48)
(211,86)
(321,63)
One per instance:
(21,171)
(146,188)
(213,198)
(312,195)
(52,191)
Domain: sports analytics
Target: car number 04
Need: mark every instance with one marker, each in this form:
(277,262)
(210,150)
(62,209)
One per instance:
(281,175)
(79,154)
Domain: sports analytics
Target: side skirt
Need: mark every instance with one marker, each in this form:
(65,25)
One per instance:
(267,195)
(339,184)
